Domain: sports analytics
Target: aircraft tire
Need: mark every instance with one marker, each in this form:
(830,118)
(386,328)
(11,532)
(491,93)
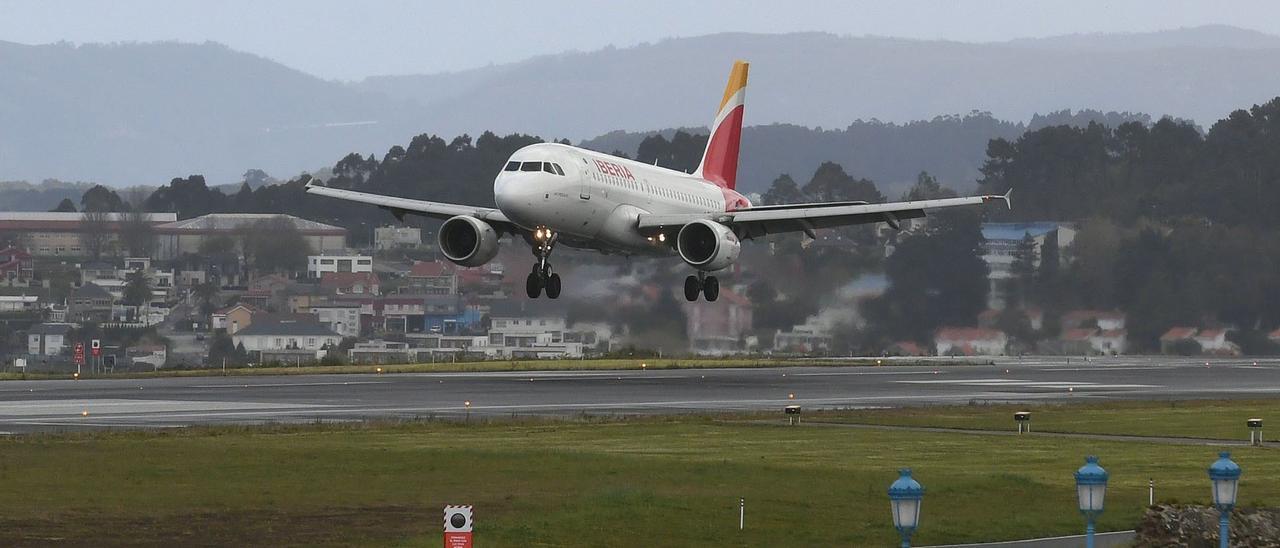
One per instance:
(553,286)
(691,288)
(711,289)
(533,285)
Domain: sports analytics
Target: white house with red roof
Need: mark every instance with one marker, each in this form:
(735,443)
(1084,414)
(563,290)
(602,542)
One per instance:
(351,283)
(1214,341)
(970,341)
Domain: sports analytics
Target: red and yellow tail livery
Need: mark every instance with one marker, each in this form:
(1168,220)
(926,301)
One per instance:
(720,160)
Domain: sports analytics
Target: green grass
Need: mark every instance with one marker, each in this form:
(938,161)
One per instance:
(1184,419)
(501,365)
(637,482)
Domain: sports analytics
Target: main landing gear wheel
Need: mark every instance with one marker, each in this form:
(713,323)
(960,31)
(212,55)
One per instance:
(553,286)
(708,286)
(711,289)
(691,288)
(533,286)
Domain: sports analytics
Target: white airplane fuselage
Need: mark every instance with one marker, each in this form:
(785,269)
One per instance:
(599,197)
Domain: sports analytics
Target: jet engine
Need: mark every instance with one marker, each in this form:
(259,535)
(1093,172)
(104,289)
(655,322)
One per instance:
(468,241)
(707,245)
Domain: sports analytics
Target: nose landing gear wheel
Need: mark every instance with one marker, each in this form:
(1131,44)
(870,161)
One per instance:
(533,286)
(691,288)
(710,289)
(553,286)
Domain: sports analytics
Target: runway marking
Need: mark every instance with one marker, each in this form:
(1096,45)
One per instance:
(862,373)
(1019,383)
(115,406)
(279,384)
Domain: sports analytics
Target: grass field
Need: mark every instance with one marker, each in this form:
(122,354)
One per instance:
(1183,419)
(508,365)
(636,482)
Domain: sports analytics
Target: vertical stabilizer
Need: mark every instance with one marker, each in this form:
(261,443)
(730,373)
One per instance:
(720,160)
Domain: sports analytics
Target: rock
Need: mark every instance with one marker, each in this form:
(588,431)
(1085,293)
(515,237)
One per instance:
(1169,526)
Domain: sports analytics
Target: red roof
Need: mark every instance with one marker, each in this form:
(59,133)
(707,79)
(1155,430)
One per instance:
(1077,334)
(1211,333)
(1076,317)
(424,269)
(348,279)
(968,334)
(1114,334)
(1274,335)
(252,309)
(909,348)
(1178,333)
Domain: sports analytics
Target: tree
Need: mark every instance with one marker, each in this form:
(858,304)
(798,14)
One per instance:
(65,206)
(94,235)
(276,245)
(137,289)
(830,183)
(927,187)
(136,233)
(936,279)
(101,199)
(207,297)
(1023,271)
(784,190)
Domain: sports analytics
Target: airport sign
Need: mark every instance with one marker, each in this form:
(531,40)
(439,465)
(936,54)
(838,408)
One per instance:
(457,526)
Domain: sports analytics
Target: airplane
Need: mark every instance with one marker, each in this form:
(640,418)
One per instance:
(553,194)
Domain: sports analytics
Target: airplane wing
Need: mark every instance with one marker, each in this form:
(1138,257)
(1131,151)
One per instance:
(400,206)
(756,222)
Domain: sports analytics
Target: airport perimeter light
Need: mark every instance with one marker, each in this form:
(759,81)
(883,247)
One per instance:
(905,495)
(1091,492)
(1225,475)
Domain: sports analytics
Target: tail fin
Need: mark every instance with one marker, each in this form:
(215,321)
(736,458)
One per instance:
(720,160)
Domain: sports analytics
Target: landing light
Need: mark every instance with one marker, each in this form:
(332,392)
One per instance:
(662,237)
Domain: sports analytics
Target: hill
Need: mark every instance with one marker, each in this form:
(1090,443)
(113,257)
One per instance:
(140,114)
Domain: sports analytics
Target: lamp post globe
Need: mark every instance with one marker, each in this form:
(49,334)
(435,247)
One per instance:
(905,495)
(1224,473)
(1091,493)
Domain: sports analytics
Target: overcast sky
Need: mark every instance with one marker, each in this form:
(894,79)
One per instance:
(350,40)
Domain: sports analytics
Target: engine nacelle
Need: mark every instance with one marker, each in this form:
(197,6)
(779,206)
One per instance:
(468,241)
(708,245)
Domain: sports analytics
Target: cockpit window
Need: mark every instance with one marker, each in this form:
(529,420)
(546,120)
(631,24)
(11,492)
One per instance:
(558,170)
(512,166)
(546,166)
(531,166)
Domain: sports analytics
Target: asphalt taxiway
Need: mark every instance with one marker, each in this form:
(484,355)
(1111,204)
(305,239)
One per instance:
(51,405)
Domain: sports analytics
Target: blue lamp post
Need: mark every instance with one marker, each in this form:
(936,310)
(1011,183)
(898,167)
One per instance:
(1091,491)
(1225,475)
(905,495)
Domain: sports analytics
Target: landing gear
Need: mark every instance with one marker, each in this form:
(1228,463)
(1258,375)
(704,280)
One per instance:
(708,286)
(542,278)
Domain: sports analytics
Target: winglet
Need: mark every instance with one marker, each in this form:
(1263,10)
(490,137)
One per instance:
(1005,197)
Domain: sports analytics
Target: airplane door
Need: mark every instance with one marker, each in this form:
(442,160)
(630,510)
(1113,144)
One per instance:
(585,191)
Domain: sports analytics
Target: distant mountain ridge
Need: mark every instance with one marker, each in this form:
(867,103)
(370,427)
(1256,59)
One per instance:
(141,114)
(951,148)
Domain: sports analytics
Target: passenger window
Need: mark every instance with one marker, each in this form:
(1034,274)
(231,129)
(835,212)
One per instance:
(559,171)
(512,166)
(531,166)
(546,166)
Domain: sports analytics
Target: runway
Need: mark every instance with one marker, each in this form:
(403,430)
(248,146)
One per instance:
(31,406)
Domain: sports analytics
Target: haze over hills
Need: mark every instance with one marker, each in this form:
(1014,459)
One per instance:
(134,114)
